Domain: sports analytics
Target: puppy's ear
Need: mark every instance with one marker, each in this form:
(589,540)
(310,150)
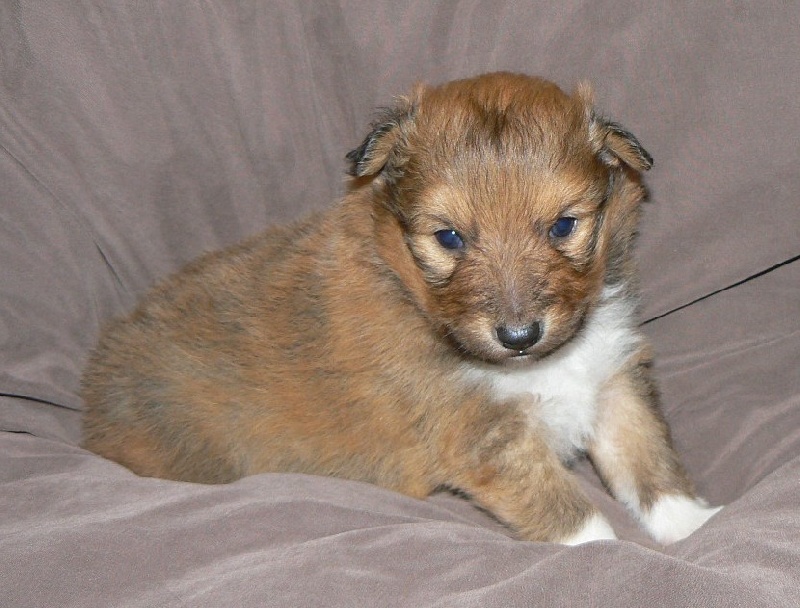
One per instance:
(614,144)
(620,146)
(383,147)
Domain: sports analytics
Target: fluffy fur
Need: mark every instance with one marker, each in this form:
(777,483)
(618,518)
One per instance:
(464,318)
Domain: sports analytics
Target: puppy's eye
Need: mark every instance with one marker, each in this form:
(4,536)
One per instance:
(449,239)
(563,227)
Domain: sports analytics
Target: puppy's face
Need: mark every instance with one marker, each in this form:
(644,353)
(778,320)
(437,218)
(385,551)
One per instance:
(498,202)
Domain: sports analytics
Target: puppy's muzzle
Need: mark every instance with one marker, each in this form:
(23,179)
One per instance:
(518,338)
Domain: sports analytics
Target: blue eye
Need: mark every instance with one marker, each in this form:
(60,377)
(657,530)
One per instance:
(563,227)
(449,239)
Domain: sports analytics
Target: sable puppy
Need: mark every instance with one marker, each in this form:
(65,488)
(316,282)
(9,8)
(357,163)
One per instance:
(464,318)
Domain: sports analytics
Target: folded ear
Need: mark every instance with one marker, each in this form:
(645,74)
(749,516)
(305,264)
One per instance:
(614,144)
(383,147)
(620,146)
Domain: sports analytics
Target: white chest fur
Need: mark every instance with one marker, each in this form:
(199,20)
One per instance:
(565,385)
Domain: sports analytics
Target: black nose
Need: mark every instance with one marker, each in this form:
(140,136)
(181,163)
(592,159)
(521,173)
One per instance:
(519,338)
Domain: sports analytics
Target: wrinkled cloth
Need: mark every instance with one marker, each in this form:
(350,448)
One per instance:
(135,136)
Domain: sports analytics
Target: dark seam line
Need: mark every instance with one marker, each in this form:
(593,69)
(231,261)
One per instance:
(110,266)
(36,400)
(713,293)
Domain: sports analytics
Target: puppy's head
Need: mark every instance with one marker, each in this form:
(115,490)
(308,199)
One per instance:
(504,206)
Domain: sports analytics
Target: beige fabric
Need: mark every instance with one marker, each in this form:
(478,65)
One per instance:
(134,136)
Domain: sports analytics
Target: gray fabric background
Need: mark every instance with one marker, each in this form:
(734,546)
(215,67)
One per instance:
(134,136)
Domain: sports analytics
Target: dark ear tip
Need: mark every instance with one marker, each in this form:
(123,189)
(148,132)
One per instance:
(648,160)
(354,159)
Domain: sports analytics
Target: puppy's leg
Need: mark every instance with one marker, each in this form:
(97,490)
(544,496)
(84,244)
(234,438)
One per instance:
(506,467)
(632,452)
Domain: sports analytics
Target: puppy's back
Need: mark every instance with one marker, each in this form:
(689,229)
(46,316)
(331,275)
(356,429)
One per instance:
(162,387)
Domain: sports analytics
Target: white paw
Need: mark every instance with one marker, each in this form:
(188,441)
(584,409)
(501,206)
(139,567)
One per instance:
(675,517)
(595,528)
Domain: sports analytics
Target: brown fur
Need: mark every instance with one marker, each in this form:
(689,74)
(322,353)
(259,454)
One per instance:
(632,449)
(335,345)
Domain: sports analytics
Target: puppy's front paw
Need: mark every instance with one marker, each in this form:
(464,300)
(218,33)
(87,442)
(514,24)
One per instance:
(594,528)
(673,518)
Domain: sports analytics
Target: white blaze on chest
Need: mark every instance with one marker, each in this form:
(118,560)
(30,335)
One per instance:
(565,385)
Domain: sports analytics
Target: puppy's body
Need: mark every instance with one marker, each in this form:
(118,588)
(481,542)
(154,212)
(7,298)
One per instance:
(465,319)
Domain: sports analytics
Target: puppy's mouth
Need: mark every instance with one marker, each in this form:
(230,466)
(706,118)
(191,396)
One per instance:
(501,355)
(511,354)
(517,344)
(505,344)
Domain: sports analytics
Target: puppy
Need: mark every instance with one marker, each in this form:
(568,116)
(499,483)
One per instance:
(464,318)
